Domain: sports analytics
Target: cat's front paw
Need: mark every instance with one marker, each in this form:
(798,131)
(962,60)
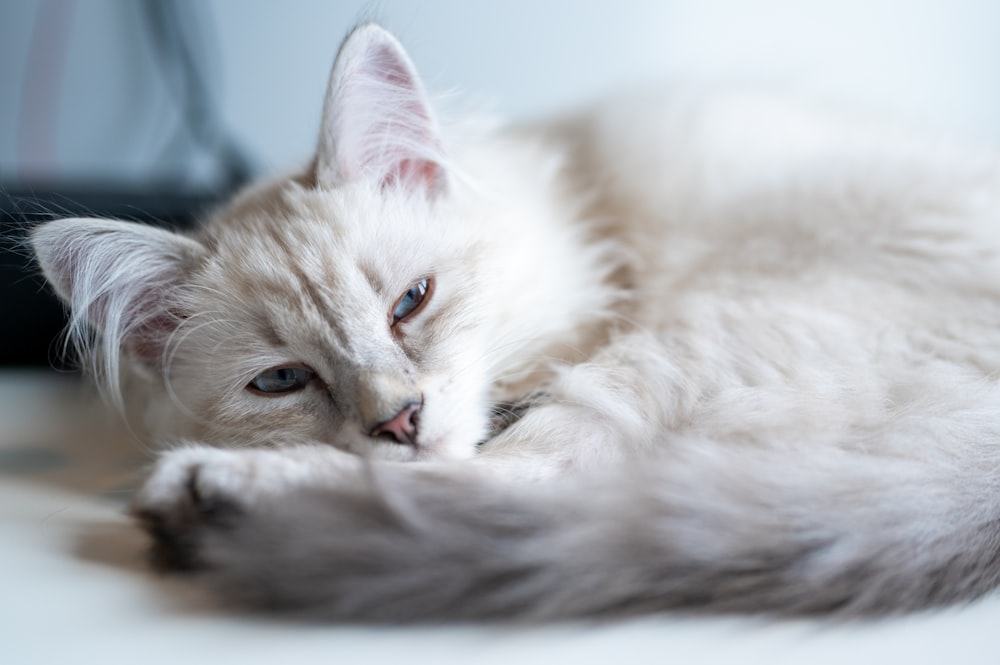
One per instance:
(192,493)
(197,497)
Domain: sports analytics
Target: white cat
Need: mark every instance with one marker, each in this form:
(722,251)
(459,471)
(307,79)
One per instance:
(690,351)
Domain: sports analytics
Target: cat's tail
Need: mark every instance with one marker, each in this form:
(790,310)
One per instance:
(706,529)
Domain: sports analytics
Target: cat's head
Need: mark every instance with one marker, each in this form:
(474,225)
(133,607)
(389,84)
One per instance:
(375,301)
(339,305)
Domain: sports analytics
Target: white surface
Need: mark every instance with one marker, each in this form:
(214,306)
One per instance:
(75,590)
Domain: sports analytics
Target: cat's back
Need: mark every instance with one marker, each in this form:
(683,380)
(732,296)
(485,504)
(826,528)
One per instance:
(671,154)
(756,216)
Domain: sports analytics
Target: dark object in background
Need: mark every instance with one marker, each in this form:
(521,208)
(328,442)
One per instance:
(32,318)
(180,33)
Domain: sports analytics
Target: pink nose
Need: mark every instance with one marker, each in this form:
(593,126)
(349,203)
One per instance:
(402,427)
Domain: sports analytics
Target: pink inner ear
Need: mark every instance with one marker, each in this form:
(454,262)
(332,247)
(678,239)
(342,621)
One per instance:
(415,174)
(388,66)
(409,129)
(148,340)
(380,123)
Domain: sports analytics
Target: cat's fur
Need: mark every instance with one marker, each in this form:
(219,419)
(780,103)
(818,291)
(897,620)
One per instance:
(700,350)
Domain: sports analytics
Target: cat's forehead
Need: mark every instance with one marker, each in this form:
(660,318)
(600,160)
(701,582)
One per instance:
(333,250)
(321,229)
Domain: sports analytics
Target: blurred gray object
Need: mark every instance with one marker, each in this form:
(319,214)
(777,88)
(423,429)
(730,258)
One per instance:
(178,33)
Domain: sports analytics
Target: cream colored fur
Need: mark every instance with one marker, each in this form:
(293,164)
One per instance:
(797,308)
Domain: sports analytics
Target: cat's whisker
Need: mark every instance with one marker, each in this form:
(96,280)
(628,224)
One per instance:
(174,343)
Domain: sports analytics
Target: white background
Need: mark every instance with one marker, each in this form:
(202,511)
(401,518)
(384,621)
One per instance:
(931,62)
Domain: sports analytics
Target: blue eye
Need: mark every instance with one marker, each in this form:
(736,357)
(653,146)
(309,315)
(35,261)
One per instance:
(411,301)
(281,380)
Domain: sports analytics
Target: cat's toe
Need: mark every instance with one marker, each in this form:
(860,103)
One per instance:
(189,495)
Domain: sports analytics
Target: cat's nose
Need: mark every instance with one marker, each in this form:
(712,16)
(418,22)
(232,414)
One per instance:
(402,427)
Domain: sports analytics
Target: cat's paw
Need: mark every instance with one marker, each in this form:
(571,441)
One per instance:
(198,496)
(191,493)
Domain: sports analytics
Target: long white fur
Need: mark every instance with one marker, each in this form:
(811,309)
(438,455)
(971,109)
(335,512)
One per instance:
(783,301)
(115,277)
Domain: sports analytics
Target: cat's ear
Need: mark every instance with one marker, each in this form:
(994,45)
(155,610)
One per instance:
(377,120)
(119,278)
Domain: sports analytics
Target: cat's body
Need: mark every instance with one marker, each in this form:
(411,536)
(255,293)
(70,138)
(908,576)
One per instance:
(751,349)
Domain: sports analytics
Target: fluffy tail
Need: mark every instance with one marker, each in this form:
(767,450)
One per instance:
(756,531)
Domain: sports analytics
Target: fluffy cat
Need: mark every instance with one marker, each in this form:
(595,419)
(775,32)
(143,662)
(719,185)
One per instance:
(694,351)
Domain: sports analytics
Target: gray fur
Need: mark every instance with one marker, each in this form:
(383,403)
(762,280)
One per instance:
(696,532)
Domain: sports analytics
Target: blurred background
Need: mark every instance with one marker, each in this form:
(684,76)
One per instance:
(153,109)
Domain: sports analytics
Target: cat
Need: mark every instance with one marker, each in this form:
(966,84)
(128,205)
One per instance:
(693,350)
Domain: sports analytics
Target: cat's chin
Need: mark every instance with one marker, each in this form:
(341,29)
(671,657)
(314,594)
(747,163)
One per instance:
(439,448)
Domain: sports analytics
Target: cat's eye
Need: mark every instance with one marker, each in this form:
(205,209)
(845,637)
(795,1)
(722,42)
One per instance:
(281,380)
(411,301)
